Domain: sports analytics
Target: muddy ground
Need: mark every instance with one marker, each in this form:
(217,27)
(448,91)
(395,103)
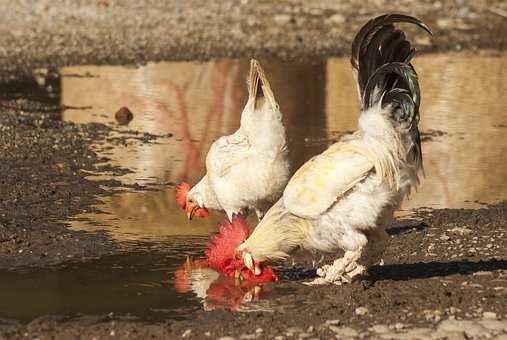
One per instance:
(442,266)
(54,34)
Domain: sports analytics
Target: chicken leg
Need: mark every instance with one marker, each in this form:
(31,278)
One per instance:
(342,270)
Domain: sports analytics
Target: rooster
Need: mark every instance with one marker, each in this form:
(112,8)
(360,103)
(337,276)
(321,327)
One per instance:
(345,197)
(248,170)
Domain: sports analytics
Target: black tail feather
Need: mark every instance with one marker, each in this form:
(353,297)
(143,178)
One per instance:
(381,54)
(378,43)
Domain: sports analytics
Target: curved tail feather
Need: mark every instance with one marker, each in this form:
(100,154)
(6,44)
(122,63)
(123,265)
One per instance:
(381,56)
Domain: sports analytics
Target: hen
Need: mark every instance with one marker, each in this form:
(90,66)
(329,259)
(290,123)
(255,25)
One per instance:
(345,197)
(248,170)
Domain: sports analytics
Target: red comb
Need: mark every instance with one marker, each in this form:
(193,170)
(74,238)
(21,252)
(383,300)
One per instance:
(222,247)
(182,190)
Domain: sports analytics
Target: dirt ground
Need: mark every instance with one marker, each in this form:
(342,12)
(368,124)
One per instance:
(445,272)
(54,34)
(442,269)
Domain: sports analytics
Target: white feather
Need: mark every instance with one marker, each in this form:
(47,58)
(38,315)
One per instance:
(249,169)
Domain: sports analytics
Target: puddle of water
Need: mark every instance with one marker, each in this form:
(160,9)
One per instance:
(145,285)
(464,122)
(137,284)
(464,116)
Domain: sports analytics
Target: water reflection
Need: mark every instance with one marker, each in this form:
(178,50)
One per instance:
(218,292)
(463,99)
(134,284)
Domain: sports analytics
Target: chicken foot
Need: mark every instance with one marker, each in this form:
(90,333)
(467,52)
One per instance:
(343,270)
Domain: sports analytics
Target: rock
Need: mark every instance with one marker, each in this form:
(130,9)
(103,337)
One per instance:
(494,325)
(332,322)
(470,328)
(380,329)
(123,116)
(398,326)
(489,315)
(460,231)
(348,332)
(444,238)
(227,338)
(361,311)
(282,19)
(337,19)
(186,333)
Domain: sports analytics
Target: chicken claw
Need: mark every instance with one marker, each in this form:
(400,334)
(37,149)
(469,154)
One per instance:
(343,270)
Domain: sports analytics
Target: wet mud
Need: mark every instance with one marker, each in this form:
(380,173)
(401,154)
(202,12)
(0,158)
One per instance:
(52,35)
(79,204)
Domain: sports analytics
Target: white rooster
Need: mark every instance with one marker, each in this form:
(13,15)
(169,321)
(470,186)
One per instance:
(248,170)
(345,197)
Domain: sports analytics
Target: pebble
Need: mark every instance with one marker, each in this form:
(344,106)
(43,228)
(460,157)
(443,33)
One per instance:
(470,328)
(282,19)
(123,116)
(489,315)
(337,19)
(361,311)
(332,322)
(186,333)
(444,238)
(494,325)
(379,329)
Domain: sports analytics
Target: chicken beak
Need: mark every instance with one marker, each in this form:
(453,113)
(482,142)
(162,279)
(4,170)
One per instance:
(248,260)
(191,212)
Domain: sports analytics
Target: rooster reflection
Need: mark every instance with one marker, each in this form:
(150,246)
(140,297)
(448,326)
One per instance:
(219,292)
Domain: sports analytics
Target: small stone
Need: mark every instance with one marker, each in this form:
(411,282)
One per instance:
(494,325)
(337,19)
(282,19)
(259,330)
(226,338)
(460,231)
(332,322)
(398,326)
(186,333)
(348,332)
(380,329)
(123,116)
(444,238)
(361,311)
(489,315)
(470,328)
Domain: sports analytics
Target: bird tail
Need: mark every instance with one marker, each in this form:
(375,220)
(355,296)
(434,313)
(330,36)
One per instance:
(381,56)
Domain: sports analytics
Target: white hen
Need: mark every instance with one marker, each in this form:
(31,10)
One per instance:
(248,170)
(345,197)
